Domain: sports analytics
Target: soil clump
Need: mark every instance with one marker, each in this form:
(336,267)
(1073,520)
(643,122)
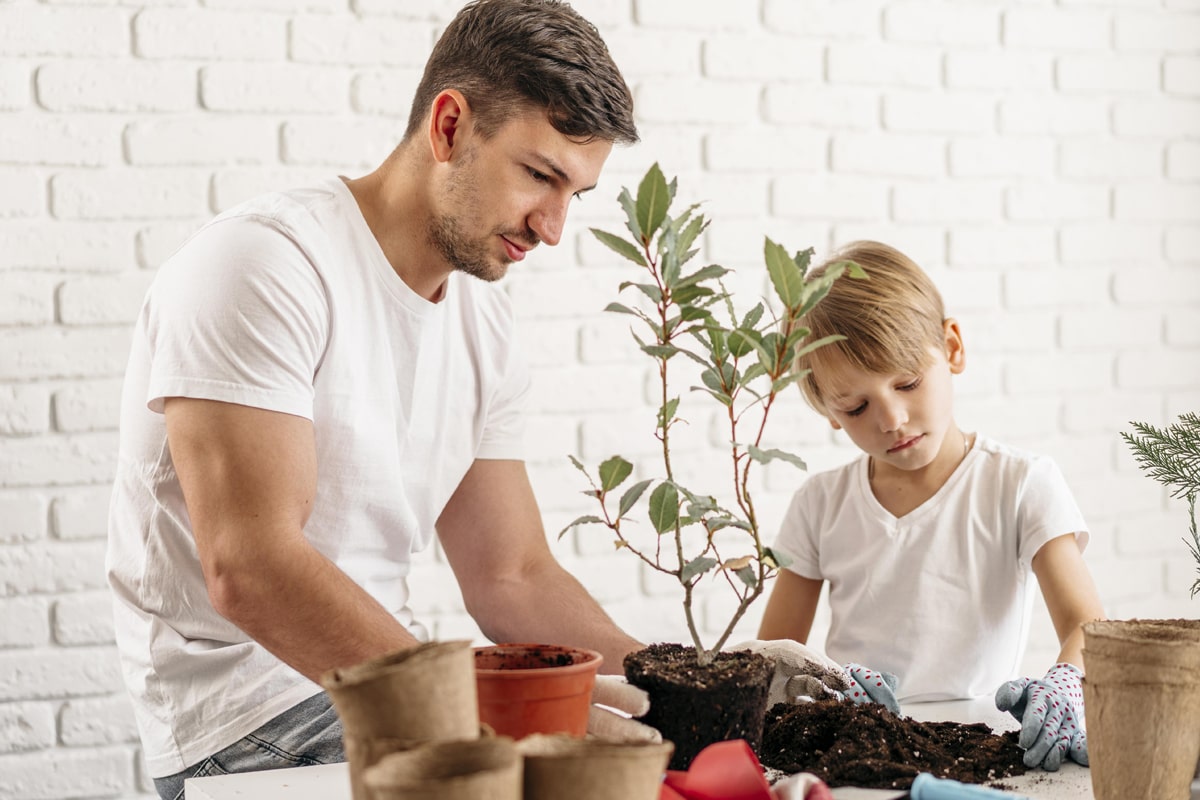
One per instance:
(865,745)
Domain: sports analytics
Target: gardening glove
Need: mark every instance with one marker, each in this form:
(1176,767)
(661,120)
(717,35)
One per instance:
(614,701)
(1050,711)
(799,671)
(869,686)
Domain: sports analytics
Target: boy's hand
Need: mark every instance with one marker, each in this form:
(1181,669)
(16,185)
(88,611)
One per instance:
(870,686)
(1050,711)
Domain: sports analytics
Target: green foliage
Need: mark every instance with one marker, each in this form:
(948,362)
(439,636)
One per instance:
(1171,456)
(744,363)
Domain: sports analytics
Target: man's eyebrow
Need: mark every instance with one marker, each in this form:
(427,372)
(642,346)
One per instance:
(559,172)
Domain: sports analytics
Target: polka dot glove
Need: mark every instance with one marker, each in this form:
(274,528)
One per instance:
(1050,711)
(869,686)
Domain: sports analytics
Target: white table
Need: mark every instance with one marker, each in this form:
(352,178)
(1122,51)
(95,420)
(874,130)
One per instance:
(332,782)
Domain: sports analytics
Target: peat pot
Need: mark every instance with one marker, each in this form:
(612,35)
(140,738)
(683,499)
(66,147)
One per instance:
(694,706)
(558,766)
(1141,696)
(535,688)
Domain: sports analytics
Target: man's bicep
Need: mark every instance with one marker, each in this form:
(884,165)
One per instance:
(241,467)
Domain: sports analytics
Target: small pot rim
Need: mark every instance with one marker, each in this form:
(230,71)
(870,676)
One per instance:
(590,662)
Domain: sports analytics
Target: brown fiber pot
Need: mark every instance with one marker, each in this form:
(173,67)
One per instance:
(694,706)
(558,767)
(1141,698)
(535,688)
(477,769)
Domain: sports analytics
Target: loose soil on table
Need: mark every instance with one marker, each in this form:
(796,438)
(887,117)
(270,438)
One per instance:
(851,744)
(694,706)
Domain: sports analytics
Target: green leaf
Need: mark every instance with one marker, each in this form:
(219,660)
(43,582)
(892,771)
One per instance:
(579,466)
(752,372)
(653,198)
(767,456)
(613,473)
(648,289)
(660,350)
(717,523)
(720,397)
(667,413)
(586,520)
(786,381)
(703,274)
(750,321)
(689,234)
(664,507)
(696,567)
(712,380)
(802,259)
(617,308)
(748,576)
(622,247)
(631,220)
(786,277)
(741,342)
(824,340)
(631,496)
(776,559)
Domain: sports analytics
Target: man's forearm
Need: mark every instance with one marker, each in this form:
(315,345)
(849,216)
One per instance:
(308,613)
(517,611)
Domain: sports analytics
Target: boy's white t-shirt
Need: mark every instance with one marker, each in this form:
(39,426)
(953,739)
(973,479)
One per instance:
(287,303)
(942,596)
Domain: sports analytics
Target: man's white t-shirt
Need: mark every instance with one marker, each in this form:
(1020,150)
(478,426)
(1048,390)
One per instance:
(942,596)
(287,303)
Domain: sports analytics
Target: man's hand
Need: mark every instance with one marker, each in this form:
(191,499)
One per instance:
(613,692)
(1050,711)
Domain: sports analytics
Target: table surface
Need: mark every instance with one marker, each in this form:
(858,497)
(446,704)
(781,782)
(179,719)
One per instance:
(332,781)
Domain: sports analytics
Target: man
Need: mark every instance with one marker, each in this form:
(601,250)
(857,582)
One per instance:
(319,379)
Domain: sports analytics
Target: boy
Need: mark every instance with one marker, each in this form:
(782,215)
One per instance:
(929,538)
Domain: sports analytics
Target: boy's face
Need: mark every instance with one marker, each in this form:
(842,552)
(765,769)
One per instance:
(899,419)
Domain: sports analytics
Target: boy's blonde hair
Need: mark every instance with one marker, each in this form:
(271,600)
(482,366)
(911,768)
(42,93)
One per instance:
(890,321)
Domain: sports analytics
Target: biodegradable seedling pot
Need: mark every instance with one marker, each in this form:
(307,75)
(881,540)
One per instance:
(695,706)
(559,766)
(535,688)
(478,769)
(1142,705)
(402,699)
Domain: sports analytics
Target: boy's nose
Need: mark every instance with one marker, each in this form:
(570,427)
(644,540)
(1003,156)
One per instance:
(892,416)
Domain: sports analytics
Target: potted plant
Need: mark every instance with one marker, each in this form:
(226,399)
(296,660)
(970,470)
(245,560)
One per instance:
(1142,688)
(744,362)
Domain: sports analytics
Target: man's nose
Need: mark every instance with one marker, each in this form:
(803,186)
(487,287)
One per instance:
(548,219)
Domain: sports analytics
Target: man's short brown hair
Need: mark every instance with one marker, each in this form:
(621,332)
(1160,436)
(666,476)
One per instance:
(508,56)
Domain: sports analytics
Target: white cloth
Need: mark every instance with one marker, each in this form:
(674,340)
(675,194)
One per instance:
(287,303)
(941,597)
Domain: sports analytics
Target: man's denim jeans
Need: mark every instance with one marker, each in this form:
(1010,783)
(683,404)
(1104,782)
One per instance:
(302,736)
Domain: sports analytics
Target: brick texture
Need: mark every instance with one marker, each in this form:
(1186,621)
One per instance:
(1040,158)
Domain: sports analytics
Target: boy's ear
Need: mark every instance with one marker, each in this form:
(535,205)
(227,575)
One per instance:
(955,353)
(833,423)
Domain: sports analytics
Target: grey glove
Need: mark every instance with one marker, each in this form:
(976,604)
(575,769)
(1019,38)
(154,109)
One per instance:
(869,686)
(1050,711)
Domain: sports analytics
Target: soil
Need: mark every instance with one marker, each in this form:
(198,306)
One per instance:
(694,706)
(851,744)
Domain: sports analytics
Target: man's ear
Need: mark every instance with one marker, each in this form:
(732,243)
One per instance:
(449,118)
(956,355)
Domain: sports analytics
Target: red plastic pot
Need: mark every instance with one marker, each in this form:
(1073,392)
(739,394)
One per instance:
(535,688)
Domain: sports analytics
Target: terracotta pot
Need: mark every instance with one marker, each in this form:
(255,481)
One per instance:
(696,706)
(535,688)
(558,766)
(1141,699)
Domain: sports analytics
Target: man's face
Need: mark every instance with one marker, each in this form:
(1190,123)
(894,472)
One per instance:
(504,195)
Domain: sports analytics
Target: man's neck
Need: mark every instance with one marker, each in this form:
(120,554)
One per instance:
(394,204)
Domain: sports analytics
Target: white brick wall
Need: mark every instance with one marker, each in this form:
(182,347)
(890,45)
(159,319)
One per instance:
(1042,158)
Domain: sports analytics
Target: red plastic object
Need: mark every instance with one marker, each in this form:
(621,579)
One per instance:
(722,771)
(535,688)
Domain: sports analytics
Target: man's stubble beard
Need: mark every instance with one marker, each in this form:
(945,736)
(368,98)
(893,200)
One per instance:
(447,235)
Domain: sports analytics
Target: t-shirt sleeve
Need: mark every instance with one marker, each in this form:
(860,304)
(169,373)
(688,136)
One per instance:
(504,429)
(1046,509)
(238,315)
(797,537)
